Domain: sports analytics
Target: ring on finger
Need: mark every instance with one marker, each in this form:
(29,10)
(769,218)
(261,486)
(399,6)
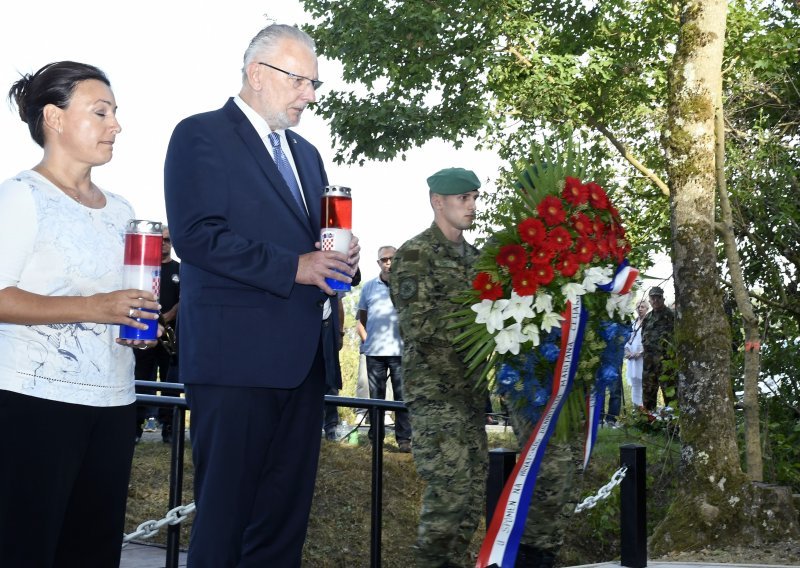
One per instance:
(131,312)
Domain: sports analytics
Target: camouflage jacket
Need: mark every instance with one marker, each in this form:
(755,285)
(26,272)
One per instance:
(657,330)
(427,272)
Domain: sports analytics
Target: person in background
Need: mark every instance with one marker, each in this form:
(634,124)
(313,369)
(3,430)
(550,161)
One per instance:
(243,195)
(383,346)
(155,363)
(657,334)
(447,409)
(63,375)
(634,352)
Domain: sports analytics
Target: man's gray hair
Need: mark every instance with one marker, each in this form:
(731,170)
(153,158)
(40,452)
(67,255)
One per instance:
(267,40)
(383,248)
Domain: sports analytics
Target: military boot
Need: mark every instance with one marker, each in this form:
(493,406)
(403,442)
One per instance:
(531,557)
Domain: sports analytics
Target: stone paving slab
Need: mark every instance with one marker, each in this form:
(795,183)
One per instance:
(651,564)
(147,556)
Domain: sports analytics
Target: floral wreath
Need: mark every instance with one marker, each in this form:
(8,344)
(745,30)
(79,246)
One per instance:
(546,317)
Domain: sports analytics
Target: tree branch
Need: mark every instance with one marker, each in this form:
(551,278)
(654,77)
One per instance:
(648,173)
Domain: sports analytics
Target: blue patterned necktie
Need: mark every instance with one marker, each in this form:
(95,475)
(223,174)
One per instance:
(286,169)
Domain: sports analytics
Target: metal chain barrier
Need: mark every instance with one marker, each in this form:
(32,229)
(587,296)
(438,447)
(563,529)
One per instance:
(604,491)
(149,529)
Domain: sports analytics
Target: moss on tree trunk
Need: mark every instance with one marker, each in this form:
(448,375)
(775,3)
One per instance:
(718,504)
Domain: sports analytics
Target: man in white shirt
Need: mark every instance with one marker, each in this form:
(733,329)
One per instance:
(382,345)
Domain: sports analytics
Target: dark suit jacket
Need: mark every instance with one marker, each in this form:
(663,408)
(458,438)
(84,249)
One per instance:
(238,232)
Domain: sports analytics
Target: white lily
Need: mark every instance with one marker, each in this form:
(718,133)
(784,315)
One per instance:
(572,290)
(531,333)
(519,308)
(544,302)
(617,302)
(596,275)
(509,339)
(490,313)
(551,320)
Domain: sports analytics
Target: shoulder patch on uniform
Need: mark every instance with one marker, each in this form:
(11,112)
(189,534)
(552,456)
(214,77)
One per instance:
(407,288)
(411,255)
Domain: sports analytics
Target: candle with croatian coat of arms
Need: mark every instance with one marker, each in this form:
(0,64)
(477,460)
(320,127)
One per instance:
(336,225)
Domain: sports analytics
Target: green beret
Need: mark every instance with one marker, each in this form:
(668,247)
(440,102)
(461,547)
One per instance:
(453,181)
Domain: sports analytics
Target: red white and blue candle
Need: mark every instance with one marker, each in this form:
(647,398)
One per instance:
(142,270)
(336,225)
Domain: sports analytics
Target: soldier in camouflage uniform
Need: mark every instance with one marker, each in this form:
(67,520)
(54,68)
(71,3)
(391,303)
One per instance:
(446,410)
(657,334)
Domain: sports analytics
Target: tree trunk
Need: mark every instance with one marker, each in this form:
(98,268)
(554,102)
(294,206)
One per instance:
(752,344)
(717,504)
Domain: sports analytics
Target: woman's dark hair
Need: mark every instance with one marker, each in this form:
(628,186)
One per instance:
(52,84)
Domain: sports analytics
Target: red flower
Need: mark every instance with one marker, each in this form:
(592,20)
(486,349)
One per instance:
(598,227)
(603,250)
(584,250)
(551,210)
(559,238)
(597,196)
(567,265)
(524,282)
(490,289)
(574,191)
(512,256)
(542,255)
(532,231)
(543,273)
(581,223)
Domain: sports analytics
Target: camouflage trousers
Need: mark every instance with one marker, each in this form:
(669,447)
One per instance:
(557,488)
(652,371)
(450,454)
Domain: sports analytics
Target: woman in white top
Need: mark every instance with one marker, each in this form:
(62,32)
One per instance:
(66,383)
(634,353)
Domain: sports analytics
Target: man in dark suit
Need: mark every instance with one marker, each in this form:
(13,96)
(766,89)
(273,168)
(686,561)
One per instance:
(243,203)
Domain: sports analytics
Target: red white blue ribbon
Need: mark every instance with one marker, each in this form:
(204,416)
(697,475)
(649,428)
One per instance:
(595,401)
(624,278)
(500,546)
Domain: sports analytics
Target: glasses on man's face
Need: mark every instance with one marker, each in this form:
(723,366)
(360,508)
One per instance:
(385,259)
(166,240)
(298,81)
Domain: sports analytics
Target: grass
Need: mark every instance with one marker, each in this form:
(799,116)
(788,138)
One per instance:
(339,530)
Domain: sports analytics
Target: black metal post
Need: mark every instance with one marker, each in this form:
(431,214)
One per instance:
(501,464)
(633,507)
(176,484)
(376,417)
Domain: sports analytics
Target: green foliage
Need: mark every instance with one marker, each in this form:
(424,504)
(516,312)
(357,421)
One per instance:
(512,71)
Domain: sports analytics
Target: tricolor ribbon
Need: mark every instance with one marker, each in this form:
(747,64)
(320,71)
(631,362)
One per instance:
(503,535)
(622,282)
(624,279)
(595,402)
(499,549)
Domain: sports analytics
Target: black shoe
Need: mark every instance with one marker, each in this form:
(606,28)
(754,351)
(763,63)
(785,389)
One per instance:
(331,436)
